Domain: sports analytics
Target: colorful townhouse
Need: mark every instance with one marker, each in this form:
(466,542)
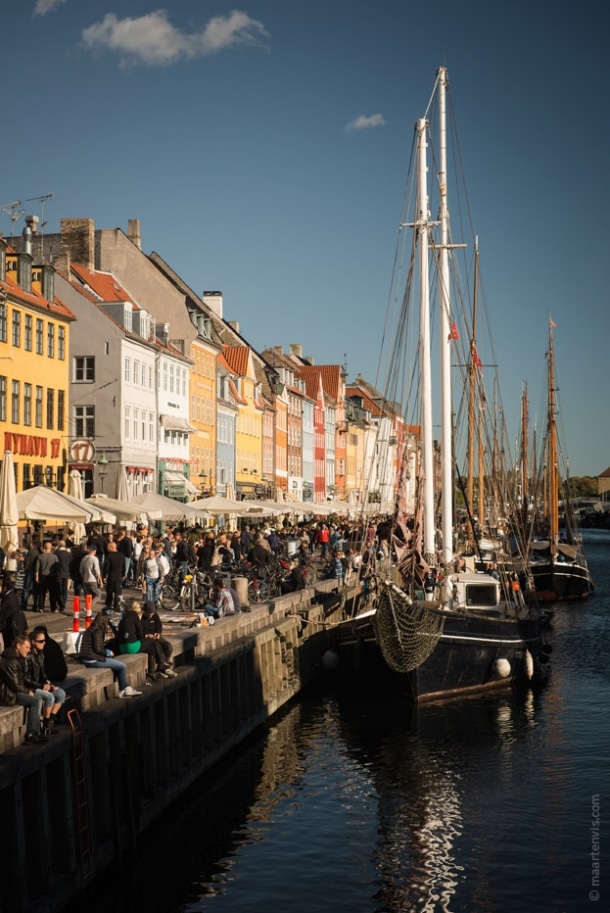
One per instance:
(34,367)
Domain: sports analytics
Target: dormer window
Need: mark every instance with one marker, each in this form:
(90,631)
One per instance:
(127,316)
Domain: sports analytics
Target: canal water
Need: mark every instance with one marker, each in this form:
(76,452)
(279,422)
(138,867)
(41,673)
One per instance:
(352,804)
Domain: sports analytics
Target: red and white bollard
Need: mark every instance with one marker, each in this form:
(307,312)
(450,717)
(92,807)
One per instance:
(76,614)
(88,601)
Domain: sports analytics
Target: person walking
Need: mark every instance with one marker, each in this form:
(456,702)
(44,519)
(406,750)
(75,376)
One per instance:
(45,574)
(114,575)
(91,575)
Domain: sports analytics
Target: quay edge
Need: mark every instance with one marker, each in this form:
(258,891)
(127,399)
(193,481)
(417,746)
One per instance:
(66,818)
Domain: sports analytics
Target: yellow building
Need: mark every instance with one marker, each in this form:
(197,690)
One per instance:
(202,387)
(249,427)
(34,370)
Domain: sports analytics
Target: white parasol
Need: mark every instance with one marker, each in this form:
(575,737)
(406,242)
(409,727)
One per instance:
(9,512)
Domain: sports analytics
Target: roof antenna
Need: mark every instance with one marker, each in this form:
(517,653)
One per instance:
(15,212)
(42,199)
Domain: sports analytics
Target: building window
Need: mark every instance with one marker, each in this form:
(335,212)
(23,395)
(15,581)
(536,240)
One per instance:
(143,375)
(150,377)
(151,427)
(16,328)
(51,340)
(16,403)
(143,425)
(84,369)
(39,330)
(61,343)
(50,407)
(84,421)
(171,378)
(28,333)
(27,404)
(2,399)
(38,416)
(127,422)
(61,409)
(165,375)
(2,321)
(127,369)
(27,478)
(136,422)
(136,372)
(184,381)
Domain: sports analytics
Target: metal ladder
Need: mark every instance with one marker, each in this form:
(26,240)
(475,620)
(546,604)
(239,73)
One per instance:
(81,800)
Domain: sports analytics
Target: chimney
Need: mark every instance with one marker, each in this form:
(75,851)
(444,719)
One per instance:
(296,349)
(24,270)
(78,241)
(234,324)
(48,282)
(214,301)
(162,333)
(133,232)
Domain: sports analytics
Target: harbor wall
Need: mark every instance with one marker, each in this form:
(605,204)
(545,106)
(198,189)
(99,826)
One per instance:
(70,807)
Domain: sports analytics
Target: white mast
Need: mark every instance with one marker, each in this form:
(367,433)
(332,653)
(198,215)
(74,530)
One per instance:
(445,333)
(423,220)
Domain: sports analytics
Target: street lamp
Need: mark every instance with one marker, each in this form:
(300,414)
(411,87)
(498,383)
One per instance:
(103,464)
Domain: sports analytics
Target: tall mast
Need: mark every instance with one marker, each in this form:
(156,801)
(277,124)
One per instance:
(472,395)
(524,467)
(445,335)
(552,450)
(423,227)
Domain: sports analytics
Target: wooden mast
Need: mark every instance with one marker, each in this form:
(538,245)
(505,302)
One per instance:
(552,471)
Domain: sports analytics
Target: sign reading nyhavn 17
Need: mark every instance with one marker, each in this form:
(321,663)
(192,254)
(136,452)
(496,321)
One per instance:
(31,445)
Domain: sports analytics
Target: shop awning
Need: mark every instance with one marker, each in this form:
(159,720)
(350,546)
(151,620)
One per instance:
(179,481)
(175,423)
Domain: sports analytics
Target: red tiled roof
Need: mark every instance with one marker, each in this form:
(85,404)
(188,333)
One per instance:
(103,284)
(367,402)
(237,357)
(34,298)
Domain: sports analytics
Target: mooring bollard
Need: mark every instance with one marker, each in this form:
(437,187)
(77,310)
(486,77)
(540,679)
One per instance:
(88,601)
(76,614)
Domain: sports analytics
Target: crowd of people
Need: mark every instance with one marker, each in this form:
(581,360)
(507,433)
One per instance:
(102,567)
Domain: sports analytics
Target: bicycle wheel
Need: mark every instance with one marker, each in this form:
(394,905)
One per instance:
(186,596)
(258,591)
(169,598)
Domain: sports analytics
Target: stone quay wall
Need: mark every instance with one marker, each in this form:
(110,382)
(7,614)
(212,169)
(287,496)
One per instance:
(71,806)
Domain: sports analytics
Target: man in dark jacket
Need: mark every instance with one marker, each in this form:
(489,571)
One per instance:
(16,688)
(153,630)
(29,582)
(54,658)
(12,618)
(113,574)
(125,547)
(53,697)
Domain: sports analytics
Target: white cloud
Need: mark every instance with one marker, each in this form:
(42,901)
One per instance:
(154,41)
(43,7)
(364,123)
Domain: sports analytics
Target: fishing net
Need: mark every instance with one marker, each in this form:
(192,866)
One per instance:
(407,632)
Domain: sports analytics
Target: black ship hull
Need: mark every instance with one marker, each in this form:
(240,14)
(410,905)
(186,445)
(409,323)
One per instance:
(473,654)
(561,580)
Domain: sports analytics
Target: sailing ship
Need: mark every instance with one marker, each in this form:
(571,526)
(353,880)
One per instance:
(558,566)
(433,622)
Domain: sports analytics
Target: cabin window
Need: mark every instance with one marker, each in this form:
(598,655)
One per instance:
(482,595)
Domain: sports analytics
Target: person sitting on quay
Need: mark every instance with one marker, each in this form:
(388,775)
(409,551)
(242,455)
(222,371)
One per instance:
(16,688)
(335,570)
(152,627)
(222,600)
(295,580)
(131,639)
(53,697)
(13,622)
(94,653)
(54,657)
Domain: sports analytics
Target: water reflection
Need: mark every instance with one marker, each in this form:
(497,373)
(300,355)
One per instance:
(352,803)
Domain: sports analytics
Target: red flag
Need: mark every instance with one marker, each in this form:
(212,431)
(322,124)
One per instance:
(475,359)
(552,322)
(454,332)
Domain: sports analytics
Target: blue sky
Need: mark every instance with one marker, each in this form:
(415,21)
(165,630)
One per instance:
(264,149)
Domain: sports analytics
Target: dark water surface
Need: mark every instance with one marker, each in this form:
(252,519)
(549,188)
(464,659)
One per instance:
(351,803)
